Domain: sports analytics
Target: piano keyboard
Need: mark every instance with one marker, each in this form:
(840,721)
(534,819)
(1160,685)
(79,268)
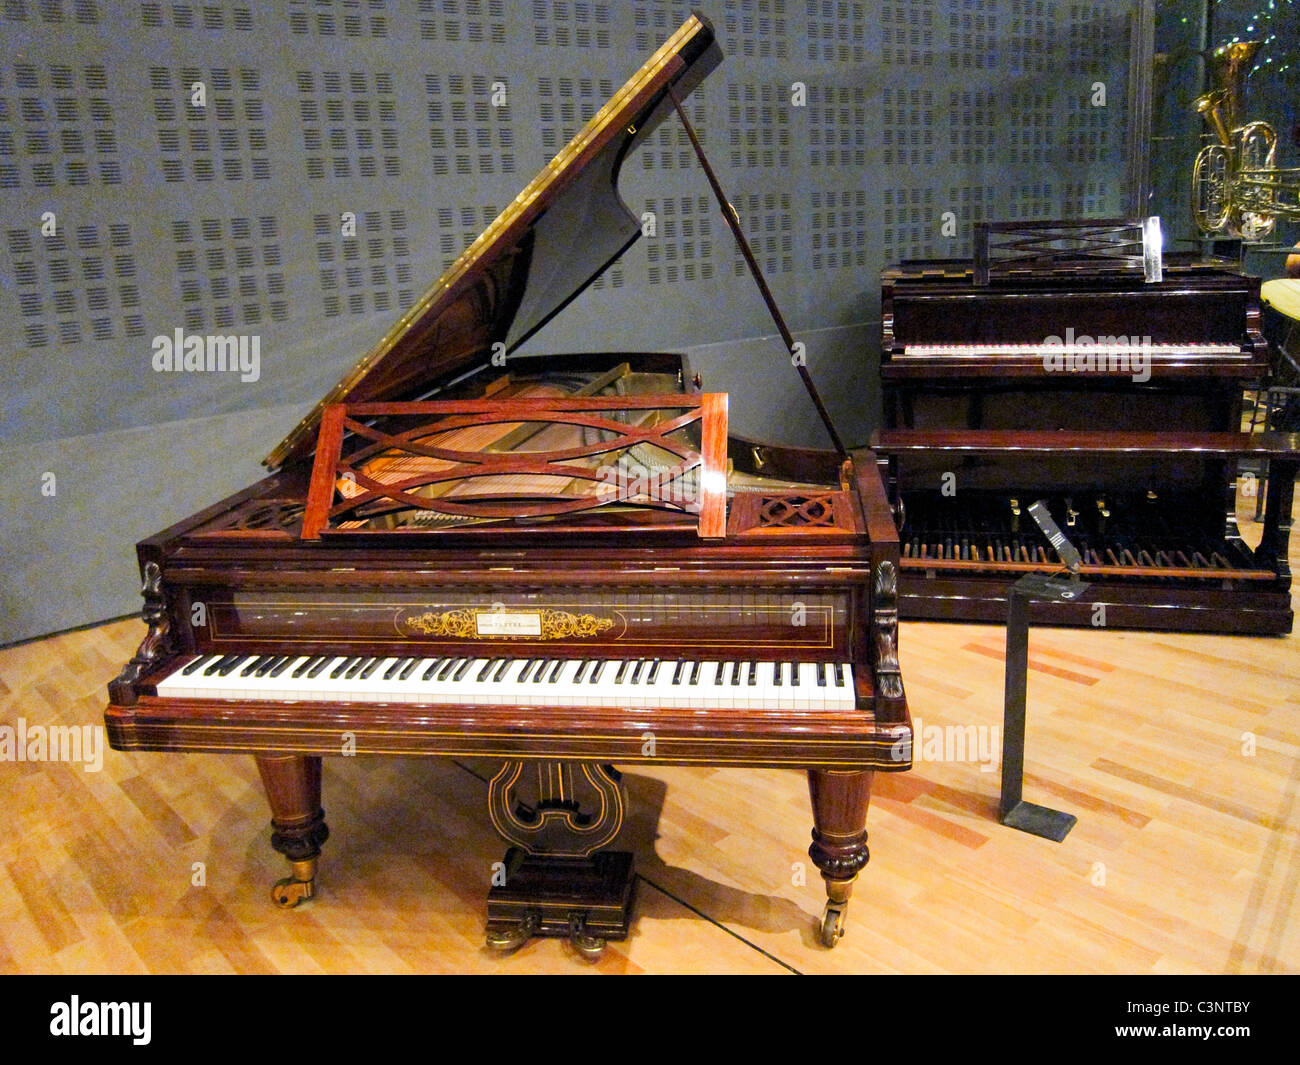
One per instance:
(1038,350)
(647,682)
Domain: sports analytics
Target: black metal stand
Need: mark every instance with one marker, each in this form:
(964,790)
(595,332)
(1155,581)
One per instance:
(1013,811)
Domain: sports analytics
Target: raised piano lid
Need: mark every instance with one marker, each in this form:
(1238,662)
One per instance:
(556,237)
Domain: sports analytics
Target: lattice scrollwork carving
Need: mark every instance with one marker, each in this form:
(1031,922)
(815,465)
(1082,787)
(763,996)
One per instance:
(276,515)
(550,482)
(260,517)
(816,511)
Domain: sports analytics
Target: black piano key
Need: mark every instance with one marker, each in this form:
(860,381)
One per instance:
(433,669)
(319,667)
(695,673)
(254,665)
(677,672)
(582,668)
(280,666)
(540,675)
(636,672)
(839,674)
(344,665)
(409,668)
(462,669)
(356,667)
(486,670)
(622,671)
(776,673)
(264,670)
(394,669)
(753,675)
(522,675)
(500,674)
(654,672)
(718,673)
(555,673)
(451,664)
(821,674)
(794,674)
(600,668)
(232,665)
(193,667)
(735,674)
(304,665)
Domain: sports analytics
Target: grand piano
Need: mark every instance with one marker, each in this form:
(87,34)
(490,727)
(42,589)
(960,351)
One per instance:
(559,563)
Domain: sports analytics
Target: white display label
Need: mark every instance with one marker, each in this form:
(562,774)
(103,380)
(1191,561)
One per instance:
(504,624)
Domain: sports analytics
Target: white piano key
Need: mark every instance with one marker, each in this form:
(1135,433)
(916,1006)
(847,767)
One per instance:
(840,695)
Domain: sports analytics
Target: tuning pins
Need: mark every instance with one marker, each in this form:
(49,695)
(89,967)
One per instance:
(1102,514)
(1015,515)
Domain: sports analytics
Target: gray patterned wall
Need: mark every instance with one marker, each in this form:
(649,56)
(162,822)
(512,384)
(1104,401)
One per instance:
(225,218)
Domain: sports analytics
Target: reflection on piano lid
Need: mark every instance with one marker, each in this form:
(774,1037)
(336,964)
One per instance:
(434,581)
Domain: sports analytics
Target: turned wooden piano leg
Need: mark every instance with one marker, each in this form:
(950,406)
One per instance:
(839,847)
(292,783)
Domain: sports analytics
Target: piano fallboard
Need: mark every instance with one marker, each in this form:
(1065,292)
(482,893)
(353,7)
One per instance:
(808,614)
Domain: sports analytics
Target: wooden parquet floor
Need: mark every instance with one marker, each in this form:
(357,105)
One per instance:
(1180,754)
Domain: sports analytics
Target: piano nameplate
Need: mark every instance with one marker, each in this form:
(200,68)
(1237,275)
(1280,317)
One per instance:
(478,623)
(530,624)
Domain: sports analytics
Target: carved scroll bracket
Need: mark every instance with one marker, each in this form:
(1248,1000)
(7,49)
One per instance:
(884,630)
(155,646)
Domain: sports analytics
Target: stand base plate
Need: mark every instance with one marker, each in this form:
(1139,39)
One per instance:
(1039,821)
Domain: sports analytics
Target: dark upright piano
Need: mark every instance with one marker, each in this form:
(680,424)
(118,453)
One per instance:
(559,563)
(1020,388)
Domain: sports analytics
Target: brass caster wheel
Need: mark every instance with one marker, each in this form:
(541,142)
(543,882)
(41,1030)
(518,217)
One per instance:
(512,937)
(290,892)
(300,887)
(588,946)
(832,924)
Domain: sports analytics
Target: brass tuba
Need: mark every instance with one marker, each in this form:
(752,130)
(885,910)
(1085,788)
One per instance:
(1227,191)
(1228,66)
